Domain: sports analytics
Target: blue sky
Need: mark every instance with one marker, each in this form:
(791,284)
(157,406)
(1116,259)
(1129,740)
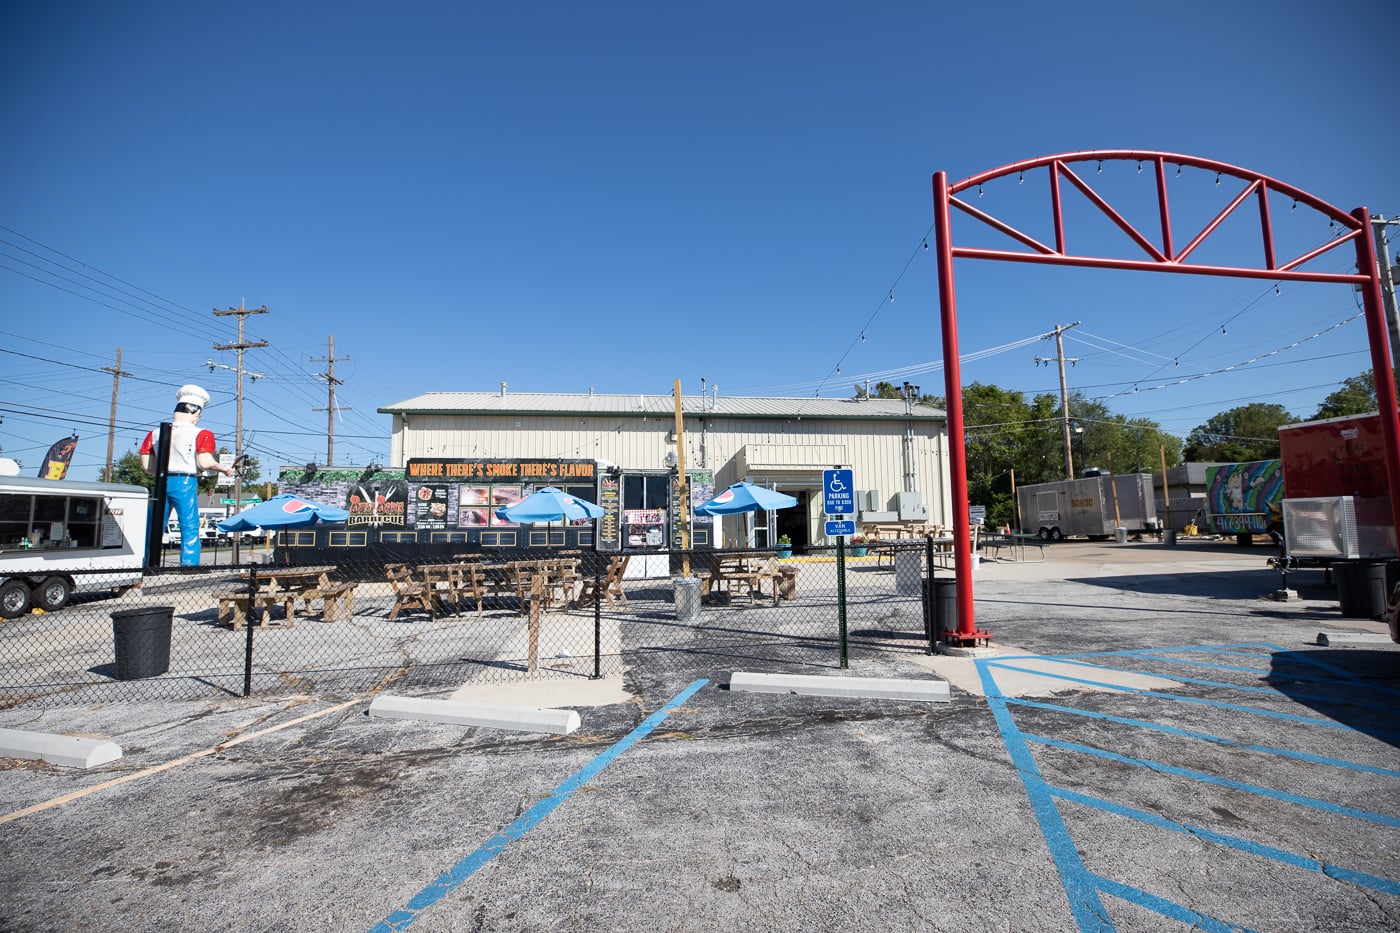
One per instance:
(563,196)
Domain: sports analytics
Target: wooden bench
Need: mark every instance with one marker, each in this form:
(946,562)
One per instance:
(338,602)
(233,609)
(609,588)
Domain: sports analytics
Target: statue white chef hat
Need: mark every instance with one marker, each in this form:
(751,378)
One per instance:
(191,395)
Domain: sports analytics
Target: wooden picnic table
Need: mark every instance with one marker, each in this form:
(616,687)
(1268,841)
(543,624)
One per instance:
(286,587)
(745,574)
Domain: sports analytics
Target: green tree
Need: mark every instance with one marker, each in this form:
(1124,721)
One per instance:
(996,422)
(1249,432)
(1357,396)
(127,469)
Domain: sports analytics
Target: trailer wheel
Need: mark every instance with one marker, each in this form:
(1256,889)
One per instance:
(1043,534)
(52,595)
(14,599)
(1056,534)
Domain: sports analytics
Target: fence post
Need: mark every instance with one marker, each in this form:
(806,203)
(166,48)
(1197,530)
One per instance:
(930,629)
(597,617)
(536,597)
(250,623)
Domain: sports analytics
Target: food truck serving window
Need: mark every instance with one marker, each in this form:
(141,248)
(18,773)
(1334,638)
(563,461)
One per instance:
(32,520)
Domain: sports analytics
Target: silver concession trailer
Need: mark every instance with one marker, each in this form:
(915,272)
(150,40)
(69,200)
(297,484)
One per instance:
(1093,506)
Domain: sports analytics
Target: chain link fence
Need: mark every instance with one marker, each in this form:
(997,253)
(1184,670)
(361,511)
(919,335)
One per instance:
(491,617)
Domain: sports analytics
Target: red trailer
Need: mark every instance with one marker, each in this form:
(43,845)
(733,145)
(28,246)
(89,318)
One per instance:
(1336,509)
(1335,457)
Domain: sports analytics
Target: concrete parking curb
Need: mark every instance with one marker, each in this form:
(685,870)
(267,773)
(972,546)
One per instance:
(1325,639)
(66,750)
(517,718)
(879,688)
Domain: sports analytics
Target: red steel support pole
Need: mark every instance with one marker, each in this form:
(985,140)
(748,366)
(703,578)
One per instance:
(952,383)
(1380,361)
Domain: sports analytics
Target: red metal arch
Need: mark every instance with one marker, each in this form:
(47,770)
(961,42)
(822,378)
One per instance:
(1160,255)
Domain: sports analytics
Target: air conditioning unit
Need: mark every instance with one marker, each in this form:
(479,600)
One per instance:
(910,506)
(1343,527)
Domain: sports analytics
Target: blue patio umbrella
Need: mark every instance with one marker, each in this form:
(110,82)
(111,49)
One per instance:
(746,497)
(283,511)
(549,504)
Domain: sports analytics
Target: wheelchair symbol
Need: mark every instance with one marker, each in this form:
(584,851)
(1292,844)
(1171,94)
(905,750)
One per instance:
(836,485)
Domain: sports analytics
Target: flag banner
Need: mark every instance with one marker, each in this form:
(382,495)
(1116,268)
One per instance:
(59,456)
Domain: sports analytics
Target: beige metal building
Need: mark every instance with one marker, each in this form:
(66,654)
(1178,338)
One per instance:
(897,451)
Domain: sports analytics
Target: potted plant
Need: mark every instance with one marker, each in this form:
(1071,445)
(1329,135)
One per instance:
(857,545)
(784,547)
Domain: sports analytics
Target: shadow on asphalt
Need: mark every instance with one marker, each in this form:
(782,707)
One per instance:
(1227,584)
(1361,689)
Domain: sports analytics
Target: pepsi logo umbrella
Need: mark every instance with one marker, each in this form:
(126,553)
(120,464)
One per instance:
(283,511)
(549,504)
(746,497)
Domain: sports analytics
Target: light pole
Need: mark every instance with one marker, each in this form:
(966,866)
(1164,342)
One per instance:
(1079,445)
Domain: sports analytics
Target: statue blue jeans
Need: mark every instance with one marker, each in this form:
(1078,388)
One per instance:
(182,494)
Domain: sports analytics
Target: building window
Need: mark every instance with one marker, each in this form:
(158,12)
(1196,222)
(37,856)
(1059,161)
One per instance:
(347,539)
(398,537)
(498,538)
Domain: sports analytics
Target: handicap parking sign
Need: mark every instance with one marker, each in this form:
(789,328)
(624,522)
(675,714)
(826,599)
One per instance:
(838,492)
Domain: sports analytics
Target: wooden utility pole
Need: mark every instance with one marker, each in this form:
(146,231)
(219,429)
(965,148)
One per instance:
(240,346)
(117,374)
(330,359)
(1059,357)
(1388,275)
(683,494)
(1166,489)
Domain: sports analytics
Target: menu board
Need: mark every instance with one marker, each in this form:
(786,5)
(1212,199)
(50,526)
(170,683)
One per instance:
(609,527)
(431,504)
(702,489)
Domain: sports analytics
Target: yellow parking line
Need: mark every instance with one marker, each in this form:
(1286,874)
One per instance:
(156,769)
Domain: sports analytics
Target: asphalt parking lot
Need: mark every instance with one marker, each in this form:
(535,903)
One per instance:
(1154,746)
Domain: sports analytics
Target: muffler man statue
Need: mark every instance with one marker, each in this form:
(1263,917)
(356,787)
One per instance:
(191,450)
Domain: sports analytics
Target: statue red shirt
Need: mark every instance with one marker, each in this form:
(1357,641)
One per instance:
(187,441)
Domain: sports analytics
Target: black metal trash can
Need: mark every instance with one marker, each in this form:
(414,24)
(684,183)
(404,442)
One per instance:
(945,606)
(1169,537)
(142,638)
(1361,588)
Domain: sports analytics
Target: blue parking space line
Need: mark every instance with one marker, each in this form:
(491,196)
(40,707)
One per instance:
(1204,778)
(1273,750)
(1224,685)
(1239,668)
(1200,701)
(1166,908)
(1074,877)
(1169,649)
(1342,675)
(451,879)
(1084,901)
(1151,654)
(1361,879)
(1338,676)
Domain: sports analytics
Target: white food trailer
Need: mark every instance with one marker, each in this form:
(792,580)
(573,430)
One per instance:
(58,537)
